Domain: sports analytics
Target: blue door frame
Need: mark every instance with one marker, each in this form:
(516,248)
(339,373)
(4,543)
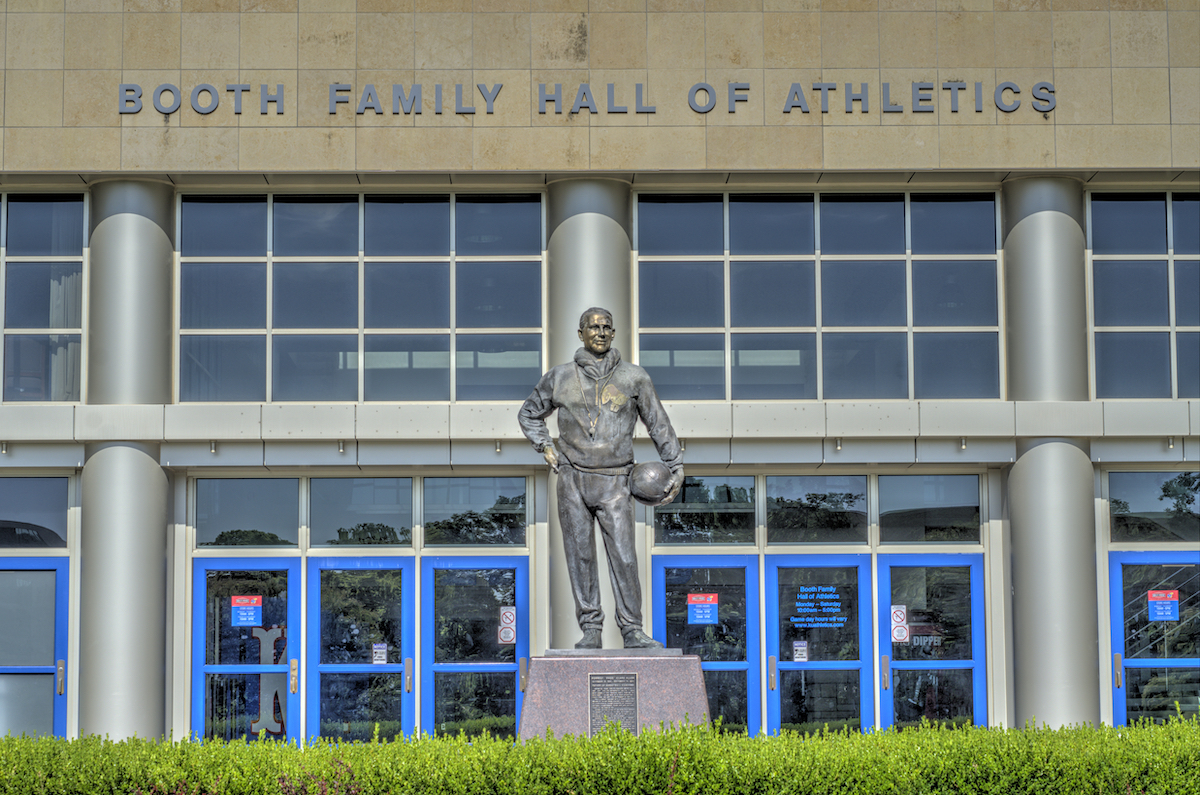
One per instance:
(862,665)
(976,664)
(407,566)
(201,669)
(61,596)
(1117,611)
(429,668)
(751,666)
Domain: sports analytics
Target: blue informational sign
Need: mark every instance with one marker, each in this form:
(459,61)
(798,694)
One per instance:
(702,608)
(1164,605)
(246,611)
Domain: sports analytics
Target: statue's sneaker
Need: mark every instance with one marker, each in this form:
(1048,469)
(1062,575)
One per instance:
(591,640)
(636,639)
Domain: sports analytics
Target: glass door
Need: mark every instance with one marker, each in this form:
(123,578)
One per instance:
(708,606)
(931,640)
(819,643)
(1154,599)
(33,653)
(360,638)
(246,648)
(474,643)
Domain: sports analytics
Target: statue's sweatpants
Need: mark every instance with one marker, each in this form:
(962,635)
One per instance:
(582,496)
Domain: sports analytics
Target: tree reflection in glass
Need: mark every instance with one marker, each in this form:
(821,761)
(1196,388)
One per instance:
(1154,506)
(466,611)
(475,511)
(708,510)
(821,510)
(471,703)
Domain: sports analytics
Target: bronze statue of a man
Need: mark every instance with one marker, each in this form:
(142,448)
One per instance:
(599,398)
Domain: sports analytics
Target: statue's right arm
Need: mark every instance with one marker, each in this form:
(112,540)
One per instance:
(532,417)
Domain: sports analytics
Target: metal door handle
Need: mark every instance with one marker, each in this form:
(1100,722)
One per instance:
(771,666)
(408,674)
(295,676)
(885,671)
(1116,670)
(62,677)
(523,673)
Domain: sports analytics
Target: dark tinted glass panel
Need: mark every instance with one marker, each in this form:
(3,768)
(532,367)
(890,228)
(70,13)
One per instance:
(863,294)
(928,508)
(224,226)
(1161,694)
(772,294)
(1186,212)
(1133,365)
(223,295)
(771,225)
(360,510)
(1154,506)
(243,705)
(680,224)
(33,512)
(1130,293)
(956,365)
(685,366)
(315,367)
(475,702)
(406,226)
(943,697)
(407,295)
(1147,636)
(713,626)
(26,704)
(962,224)
(26,619)
(862,224)
(354,706)
(45,225)
(866,365)
(407,367)
(316,226)
(43,295)
(938,599)
(1129,223)
(232,368)
(774,366)
(1187,292)
(812,701)
(227,643)
(466,611)
(728,699)
(359,610)
(499,295)
(954,293)
(475,511)
(41,366)
(817,509)
(708,510)
(315,295)
(495,225)
(818,606)
(1187,347)
(681,294)
(497,366)
(247,511)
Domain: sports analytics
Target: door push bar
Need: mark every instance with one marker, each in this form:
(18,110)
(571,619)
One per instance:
(62,677)
(408,674)
(523,672)
(771,666)
(1116,670)
(885,671)
(294,675)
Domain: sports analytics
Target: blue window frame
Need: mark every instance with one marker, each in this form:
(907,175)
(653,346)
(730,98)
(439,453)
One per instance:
(815,684)
(360,662)
(246,652)
(729,651)
(33,683)
(469,669)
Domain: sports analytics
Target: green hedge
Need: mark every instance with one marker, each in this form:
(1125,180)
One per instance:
(1159,760)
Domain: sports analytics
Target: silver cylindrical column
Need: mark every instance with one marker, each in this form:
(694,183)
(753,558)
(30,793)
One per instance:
(1056,677)
(123,538)
(589,253)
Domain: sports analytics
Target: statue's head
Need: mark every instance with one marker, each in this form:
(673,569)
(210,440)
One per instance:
(596,330)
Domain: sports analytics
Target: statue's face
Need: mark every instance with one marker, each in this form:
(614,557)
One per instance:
(597,334)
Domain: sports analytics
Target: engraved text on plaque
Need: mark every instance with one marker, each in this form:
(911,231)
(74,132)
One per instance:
(613,697)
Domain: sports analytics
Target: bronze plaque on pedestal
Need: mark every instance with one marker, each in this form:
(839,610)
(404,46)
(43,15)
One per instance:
(612,697)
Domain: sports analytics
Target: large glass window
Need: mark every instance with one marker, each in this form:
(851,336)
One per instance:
(43,297)
(348,298)
(829,296)
(1146,294)
(1154,506)
(33,513)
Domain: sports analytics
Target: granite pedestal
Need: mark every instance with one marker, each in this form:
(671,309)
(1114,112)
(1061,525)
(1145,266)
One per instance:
(573,691)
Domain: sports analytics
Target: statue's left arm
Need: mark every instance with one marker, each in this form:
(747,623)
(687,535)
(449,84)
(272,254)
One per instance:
(658,425)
